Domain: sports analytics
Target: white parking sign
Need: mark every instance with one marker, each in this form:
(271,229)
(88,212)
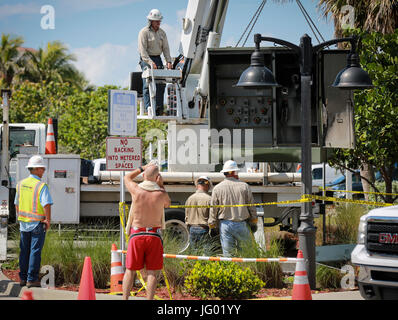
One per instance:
(123,153)
(122,113)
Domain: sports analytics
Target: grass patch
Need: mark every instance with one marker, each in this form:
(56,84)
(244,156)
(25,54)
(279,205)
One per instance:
(344,223)
(328,277)
(65,252)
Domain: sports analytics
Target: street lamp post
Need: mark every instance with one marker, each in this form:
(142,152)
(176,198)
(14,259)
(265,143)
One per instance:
(351,77)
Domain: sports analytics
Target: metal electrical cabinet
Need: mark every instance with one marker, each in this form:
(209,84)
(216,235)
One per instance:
(274,114)
(63,178)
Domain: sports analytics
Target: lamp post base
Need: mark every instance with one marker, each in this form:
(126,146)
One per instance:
(306,234)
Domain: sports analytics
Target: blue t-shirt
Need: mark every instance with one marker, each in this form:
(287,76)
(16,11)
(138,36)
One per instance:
(45,199)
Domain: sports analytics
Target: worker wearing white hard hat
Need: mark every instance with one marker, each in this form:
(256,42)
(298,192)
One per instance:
(204,180)
(230,166)
(152,42)
(36,161)
(33,207)
(196,218)
(233,223)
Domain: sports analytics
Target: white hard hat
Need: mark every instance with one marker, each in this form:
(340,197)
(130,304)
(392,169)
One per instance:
(36,161)
(230,165)
(155,15)
(204,178)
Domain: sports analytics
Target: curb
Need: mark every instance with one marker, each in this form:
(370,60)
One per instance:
(12,290)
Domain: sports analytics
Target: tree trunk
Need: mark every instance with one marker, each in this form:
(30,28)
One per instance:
(367,172)
(388,181)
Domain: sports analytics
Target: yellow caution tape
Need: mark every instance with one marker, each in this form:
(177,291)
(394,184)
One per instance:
(304,198)
(369,203)
(241,205)
(360,192)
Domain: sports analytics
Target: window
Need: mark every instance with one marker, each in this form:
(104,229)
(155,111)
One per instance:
(20,138)
(317,173)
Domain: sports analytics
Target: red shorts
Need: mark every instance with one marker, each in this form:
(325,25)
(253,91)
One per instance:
(144,250)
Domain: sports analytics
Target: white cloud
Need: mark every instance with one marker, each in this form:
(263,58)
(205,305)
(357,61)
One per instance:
(108,64)
(181,14)
(173,36)
(16,9)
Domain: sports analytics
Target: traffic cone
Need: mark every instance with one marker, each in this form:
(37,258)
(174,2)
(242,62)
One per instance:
(27,295)
(301,287)
(117,272)
(86,288)
(50,140)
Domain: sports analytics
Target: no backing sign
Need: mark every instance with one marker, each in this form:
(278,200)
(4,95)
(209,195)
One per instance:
(123,153)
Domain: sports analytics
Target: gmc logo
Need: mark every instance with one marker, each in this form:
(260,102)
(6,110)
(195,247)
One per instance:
(388,238)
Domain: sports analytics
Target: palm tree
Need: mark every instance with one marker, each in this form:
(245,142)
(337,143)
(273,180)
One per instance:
(9,58)
(53,64)
(371,15)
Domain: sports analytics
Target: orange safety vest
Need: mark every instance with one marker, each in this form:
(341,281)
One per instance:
(29,206)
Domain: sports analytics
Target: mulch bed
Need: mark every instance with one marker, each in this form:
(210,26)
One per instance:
(265,293)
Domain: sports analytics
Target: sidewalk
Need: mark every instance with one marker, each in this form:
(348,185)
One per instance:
(10,290)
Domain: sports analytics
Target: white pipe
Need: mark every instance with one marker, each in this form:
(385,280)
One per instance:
(190,177)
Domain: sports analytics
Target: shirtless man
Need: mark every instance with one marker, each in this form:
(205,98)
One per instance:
(145,220)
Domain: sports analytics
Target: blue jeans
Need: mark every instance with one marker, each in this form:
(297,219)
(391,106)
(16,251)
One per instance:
(31,244)
(159,87)
(234,235)
(198,238)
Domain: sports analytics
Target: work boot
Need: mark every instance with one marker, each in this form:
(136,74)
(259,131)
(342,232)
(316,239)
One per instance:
(22,283)
(35,284)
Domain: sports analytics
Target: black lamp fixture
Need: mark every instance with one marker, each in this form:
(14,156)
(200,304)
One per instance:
(258,76)
(353,76)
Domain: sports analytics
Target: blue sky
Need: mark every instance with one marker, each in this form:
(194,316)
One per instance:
(103,33)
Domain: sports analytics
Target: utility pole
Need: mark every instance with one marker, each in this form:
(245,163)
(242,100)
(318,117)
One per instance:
(5,153)
(4,176)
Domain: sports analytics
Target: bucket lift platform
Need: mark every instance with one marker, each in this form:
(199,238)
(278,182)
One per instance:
(174,97)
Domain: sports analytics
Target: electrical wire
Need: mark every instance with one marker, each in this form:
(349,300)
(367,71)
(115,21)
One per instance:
(255,16)
(251,29)
(305,13)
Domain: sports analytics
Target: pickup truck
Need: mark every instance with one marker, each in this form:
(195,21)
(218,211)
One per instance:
(376,254)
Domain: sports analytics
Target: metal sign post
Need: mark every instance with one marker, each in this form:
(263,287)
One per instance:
(122,200)
(120,155)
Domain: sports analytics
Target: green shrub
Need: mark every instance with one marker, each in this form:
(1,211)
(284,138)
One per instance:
(328,277)
(222,280)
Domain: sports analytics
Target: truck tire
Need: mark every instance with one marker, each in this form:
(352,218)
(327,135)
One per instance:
(176,229)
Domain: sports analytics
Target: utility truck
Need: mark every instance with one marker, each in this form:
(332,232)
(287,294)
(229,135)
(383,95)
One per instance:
(376,254)
(211,121)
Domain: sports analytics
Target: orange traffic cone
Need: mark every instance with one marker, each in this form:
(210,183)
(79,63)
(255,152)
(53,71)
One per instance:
(301,287)
(27,295)
(86,288)
(117,272)
(50,140)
